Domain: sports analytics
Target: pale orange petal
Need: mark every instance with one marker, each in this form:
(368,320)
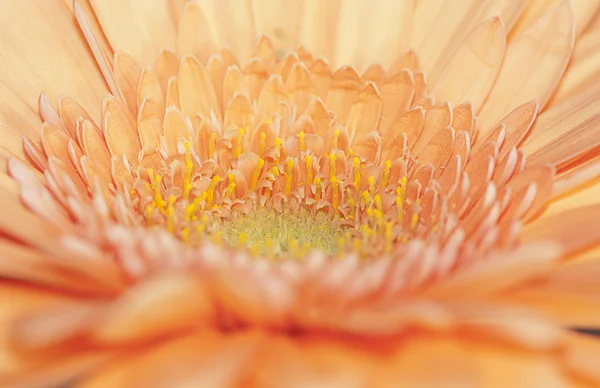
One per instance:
(533,64)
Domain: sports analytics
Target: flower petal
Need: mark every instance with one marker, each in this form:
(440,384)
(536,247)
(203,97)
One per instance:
(208,359)
(131,26)
(471,72)
(532,67)
(61,64)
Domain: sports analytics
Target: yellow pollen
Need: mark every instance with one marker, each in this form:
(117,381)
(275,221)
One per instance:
(158,198)
(356,246)
(302,141)
(335,193)
(262,143)
(309,170)
(400,204)
(352,209)
(171,213)
(255,248)
(318,189)
(211,190)
(371,185)
(370,216)
(378,204)
(278,143)
(187,176)
(239,143)
(388,236)
(366,198)
(212,142)
(336,138)
(332,166)
(356,169)
(414,221)
(288,175)
(149,212)
(185,234)
(230,192)
(386,173)
(242,240)
(190,210)
(256,173)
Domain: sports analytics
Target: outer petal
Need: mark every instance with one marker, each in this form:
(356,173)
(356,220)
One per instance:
(42,51)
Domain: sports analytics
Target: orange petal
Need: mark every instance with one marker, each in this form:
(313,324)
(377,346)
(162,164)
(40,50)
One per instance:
(570,229)
(194,36)
(149,87)
(280,21)
(176,128)
(127,76)
(150,120)
(498,272)
(130,26)
(364,113)
(583,68)
(436,119)
(196,94)
(453,21)
(471,72)
(343,92)
(319,19)
(157,306)
(166,66)
(119,131)
(532,66)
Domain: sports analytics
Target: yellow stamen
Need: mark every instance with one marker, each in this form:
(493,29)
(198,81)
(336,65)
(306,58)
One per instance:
(187,175)
(239,143)
(262,144)
(335,193)
(356,169)
(378,204)
(256,173)
(371,185)
(211,190)
(149,212)
(388,236)
(400,204)
(302,141)
(356,246)
(293,247)
(309,170)
(366,198)
(242,240)
(230,192)
(255,248)
(336,138)
(352,209)
(171,213)
(212,142)
(414,221)
(332,166)
(278,143)
(158,198)
(288,175)
(185,234)
(386,173)
(318,189)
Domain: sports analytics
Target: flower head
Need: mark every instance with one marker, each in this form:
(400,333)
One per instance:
(276,196)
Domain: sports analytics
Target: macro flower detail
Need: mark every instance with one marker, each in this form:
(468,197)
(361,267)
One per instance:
(315,193)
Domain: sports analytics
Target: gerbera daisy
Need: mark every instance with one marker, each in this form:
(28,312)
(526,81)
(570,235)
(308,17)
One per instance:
(301,193)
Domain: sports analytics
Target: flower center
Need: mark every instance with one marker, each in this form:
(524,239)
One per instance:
(272,233)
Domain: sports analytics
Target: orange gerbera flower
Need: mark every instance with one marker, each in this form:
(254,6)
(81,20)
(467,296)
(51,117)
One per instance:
(300,193)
